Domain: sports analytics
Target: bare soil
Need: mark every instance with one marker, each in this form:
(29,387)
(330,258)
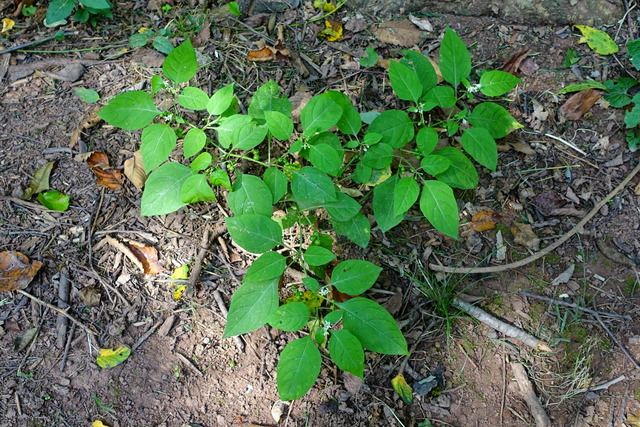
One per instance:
(181,372)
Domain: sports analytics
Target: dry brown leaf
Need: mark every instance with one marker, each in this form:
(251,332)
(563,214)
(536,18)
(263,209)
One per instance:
(15,270)
(87,122)
(636,190)
(513,64)
(147,255)
(90,296)
(134,170)
(483,221)
(421,23)
(266,53)
(401,33)
(261,55)
(578,104)
(523,235)
(105,176)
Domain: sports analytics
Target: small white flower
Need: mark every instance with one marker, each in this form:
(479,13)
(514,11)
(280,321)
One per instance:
(474,88)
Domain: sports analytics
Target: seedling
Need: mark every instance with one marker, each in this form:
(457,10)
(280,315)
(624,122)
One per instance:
(86,11)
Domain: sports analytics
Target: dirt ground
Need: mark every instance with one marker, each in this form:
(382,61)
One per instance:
(182,373)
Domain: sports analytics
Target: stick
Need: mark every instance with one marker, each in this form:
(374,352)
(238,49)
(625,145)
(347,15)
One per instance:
(63,362)
(573,305)
(204,247)
(602,386)
(223,309)
(499,325)
(615,340)
(147,334)
(537,411)
(63,303)
(545,251)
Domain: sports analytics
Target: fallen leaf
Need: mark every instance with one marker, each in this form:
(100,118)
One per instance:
(483,221)
(523,235)
(108,358)
(7,24)
(105,176)
(599,41)
(266,53)
(180,273)
(87,122)
(277,410)
(134,170)
(98,423)
(179,291)
(401,33)
(578,104)
(15,270)
(636,190)
(261,55)
(147,255)
(565,276)
(332,31)
(326,6)
(40,181)
(633,420)
(513,64)
(90,296)
(54,200)
(421,23)
(21,342)
(547,201)
(403,389)
(352,383)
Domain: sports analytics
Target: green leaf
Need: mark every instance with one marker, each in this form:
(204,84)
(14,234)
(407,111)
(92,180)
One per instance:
(54,200)
(439,206)
(312,185)
(95,4)
(461,173)
(357,229)
(250,195)
(317,255)
(220,101)
(403,389)
(479,143)
(455,59)
(59,10)
(240,132)
(632,118)
(276,180)
(201,162)
(290,317)
(320,113)
(344,208)
(193,98)
(493,118)
(311,283)
(162,44)
(371,138)
(108,358)
(87,95)
(325,158)
(269,265)
(156,84)
(350,122)
(599,41)
(280,126)
(373,326)
(251,306)
(496,82)
(354,276)
(130,110)
(383,204)
(194,141)
(158,141)
(577,87)
(370,60)
(298,368)
(395,126)
(181,64)
(405,195)
(234,8)
(404,82)
(633,141)
(40,181)
(439,96)
(196,189)
(422,67)
(254,233)
(346,352)
(162,189)
(426,140)
(633,49)
(378,156)
(220,177)
(138,40)
(434,164)
(267,98)
(618,91)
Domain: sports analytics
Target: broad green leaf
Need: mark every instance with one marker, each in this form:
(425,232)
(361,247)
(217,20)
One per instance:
(496,82)
(234,8)
(162,189)
(280,126)
(130,110)
(269,265)
(461,173)
(312,185)
(405,195)
(633,49)
(618,91)
(254,233)
(383,204)
(350,122)
(291,317)
(201,162)
(194,141)
(325,158)
(251,306)
(311,283)
(240,132)
(599,41)
(196,189)
(276,180)
(493,118)
(109,358)
(193,98)
(452,127)
(371,138)
(369,116)
(54,200)
(250,195)
(267,98)
(438,205)
(320,113)
(220,177)
(370,60)
(362,174)
(162,44)
(378,156)
(220,101)
(59,10)
(632,118)
(439,96)
(95,4)
(357,229)
(354,276)
(455,59)
(633,141)
(577,87)
(395,126)
(298,368)
(138,40)
(481,146)
(404,82)
(158,141)
(156,84)
(344,208)
(422,67)
(373,326)
(317,255)
(181,64)
(346,352)
(434,164)
(426,140)
(87,95)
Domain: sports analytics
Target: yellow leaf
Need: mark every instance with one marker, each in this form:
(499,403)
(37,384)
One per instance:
(7,24)
(180,273)
(142,30)
(179,291)
(332,31)
(403,389)
(326,6)
(108,358)
(98,423)
(633,420)
(597,40)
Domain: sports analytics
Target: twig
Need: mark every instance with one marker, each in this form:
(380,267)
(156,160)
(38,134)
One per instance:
(499,325)
(565,142)
(578,228)
(190,364)
(63,303)
(615,340)
(63,362)
(573,305)
(223,310)
(147,334)
(526,388)
(209,234)
(35,42)
(602,386)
